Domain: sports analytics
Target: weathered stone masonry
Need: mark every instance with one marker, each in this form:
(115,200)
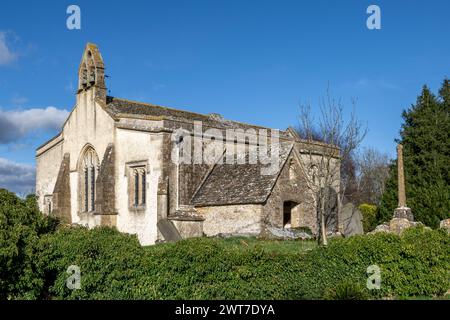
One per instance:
(61,193)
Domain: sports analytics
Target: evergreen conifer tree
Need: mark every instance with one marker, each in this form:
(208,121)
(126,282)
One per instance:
(426,151)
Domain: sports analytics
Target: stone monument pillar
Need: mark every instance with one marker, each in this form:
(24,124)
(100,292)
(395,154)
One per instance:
(402,210)
(403,217)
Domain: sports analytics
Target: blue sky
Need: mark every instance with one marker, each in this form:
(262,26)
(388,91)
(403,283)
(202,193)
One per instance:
(252,61)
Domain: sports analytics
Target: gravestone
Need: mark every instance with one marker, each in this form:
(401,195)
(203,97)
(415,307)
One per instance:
(168,230)
(351,219)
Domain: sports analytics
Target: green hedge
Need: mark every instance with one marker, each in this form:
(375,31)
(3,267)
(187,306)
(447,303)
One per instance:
(415,264)
(109,262)
(114,266)
(34,258)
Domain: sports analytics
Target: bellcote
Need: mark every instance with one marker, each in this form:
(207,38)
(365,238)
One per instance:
(91,73)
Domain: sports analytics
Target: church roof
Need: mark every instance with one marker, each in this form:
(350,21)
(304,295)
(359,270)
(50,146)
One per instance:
(118,108)
(229,184)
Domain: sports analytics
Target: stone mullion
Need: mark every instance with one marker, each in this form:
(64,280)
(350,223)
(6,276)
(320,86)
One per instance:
(143,186)
(86,189)
(92,194)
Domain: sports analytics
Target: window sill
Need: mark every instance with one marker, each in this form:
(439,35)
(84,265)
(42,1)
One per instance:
(86,212)
(137,208)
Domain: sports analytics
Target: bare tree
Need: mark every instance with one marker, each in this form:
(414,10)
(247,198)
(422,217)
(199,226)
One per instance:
(321,163)
(373,171)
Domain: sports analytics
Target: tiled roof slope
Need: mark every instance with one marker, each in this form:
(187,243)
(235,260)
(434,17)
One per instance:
(117,107)
(229,184)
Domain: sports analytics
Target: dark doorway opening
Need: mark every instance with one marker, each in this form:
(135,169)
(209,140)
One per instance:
(288,207)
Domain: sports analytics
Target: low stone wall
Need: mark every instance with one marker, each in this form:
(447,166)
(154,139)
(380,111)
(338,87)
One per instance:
(232,219)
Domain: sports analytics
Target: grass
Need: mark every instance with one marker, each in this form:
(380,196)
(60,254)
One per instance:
(249,243)
(272,246)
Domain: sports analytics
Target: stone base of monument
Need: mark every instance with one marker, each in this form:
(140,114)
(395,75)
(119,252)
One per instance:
(403,213)
(403,219)
(396,225)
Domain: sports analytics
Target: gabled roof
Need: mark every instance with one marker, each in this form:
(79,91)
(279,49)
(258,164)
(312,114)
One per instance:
(117,108)
(229,184)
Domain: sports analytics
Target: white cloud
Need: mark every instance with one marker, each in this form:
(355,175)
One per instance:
(17,177)
(14,124)
(6,55)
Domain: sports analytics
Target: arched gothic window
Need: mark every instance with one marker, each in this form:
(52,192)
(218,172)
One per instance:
(88,173)
(139,176)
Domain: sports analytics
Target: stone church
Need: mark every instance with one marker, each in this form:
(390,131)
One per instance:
(113,164)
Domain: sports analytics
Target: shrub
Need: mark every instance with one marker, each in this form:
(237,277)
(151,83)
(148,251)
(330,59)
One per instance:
(209,269)
(114,266)
(417,263)
(21,224)
(369,213)
(34,259)
(109,263)
(346,290)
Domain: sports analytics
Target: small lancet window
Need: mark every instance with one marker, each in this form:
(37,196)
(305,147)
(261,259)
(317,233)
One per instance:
(138,183)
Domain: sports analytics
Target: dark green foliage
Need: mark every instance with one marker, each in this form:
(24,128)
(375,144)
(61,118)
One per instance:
(114,266)
(34,259)
(418,263)
(347,290)
(426,141)
(109,262)
(21,224)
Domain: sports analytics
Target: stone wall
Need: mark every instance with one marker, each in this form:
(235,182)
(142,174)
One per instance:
(88,125)
(232,219)
(105,185)
(290,186)
(144,148)
(61,193)
(48,163)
